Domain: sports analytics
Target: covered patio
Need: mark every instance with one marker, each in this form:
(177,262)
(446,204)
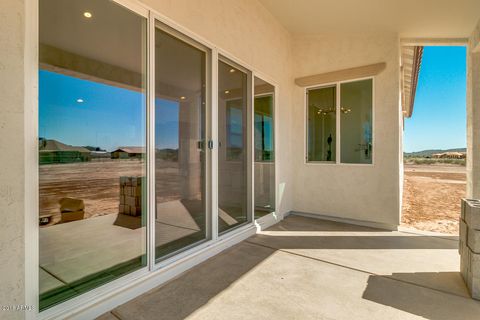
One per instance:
(307,268)
(270,182)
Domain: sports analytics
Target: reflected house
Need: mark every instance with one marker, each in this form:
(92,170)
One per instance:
(53,151)
(128,153)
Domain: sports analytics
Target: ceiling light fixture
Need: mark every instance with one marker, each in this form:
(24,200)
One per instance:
(80,100)
(227,91)
(182,98)
(232,70)
(87,14)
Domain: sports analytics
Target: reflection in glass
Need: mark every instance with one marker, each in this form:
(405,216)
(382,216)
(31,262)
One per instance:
(264,166)
(232,154)
(92,146)
(180,105)
(321,104)
(356,121)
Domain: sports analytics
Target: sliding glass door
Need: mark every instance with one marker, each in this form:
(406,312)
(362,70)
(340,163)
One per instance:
(92,143)
(181,218)
(264,143)
(234,146)
(126,176)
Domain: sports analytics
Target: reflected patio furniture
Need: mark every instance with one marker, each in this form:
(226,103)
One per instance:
(72,209)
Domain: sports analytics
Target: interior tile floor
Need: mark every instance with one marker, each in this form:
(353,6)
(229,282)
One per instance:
(304,268)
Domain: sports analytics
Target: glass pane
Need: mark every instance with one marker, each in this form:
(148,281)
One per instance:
(92,110)
(180,103)
(232,154)
(356,121)
(322,124)
(264,167)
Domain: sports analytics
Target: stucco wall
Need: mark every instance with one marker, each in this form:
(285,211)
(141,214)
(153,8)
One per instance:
(473,114)
(246,30)
(369,193)
(12,28)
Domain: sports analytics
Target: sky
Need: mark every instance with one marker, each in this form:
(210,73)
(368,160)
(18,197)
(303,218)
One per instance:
(439,113)
(84,113)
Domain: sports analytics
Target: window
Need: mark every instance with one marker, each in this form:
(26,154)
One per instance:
(234,129)
(344,110)
(264,128)
(356,121)
(180,128)
(322,125)
(233,151)
(263,135)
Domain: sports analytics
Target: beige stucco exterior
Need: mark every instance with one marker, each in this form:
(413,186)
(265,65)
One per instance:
(12,169)
(366,192)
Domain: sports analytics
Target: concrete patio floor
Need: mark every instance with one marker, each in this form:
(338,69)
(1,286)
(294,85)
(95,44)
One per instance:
(304,268)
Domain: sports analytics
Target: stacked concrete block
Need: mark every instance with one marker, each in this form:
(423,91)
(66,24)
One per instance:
(469,247)
(131,196)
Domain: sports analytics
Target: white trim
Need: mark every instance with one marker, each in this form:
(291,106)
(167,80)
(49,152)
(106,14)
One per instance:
(250,147)
(364,223)
(135,6)
(151,197)
(215,139)
(338,125)
(431,42)
(337,161)
(268,220)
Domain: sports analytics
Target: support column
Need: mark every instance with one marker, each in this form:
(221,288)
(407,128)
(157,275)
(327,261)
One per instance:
(473,116)
(13,111)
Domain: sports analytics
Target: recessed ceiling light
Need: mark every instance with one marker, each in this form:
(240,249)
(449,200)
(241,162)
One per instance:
(232,70)
(227,91)
(80,100)
(182,98)
(87,14)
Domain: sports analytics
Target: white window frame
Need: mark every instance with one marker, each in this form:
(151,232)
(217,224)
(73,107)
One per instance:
(107,296)
(337,86)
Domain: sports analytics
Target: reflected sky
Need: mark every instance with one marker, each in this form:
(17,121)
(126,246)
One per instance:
(85,113)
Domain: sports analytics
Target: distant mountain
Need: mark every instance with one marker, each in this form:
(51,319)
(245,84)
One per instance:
(167,154)
(94,148)
(428,153)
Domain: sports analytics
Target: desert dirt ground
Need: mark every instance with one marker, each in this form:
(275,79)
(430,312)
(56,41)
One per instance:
(97,183)
(431,197)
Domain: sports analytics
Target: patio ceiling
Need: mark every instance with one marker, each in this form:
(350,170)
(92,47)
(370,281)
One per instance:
(410,18)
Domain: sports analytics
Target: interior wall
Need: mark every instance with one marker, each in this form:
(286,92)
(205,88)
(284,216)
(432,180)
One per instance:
(361,192)
(246,30)
(12,169)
